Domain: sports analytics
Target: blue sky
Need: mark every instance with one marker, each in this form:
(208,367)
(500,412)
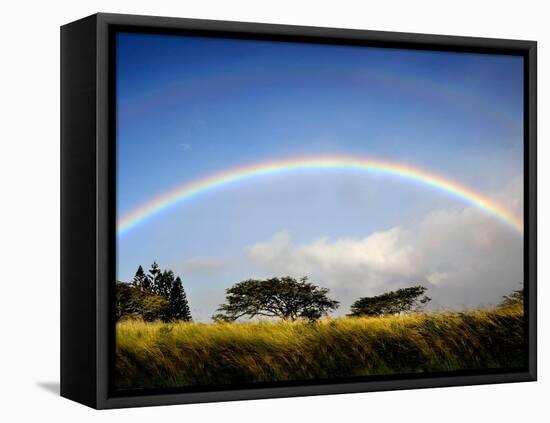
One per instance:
(191,106)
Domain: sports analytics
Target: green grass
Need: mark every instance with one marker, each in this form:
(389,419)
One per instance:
(160,355)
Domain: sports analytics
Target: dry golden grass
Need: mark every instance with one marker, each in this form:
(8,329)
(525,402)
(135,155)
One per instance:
(160,355)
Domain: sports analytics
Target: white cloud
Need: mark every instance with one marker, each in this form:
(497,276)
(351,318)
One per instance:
(387,252)
(464,256)
(511,195)
(438,278)
(200,266)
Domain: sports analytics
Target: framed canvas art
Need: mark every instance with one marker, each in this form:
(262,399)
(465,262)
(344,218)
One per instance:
(256,211)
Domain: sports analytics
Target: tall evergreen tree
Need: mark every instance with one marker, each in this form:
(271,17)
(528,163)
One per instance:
(179,307)
(154,276)
(165,282)
(141,280)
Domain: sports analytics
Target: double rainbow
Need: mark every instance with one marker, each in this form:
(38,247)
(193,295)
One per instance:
(189,190)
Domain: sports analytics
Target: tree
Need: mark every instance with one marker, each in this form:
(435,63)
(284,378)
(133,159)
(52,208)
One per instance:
(141,280)
(154,276)
(164,283)
(158,295)
(154,307)
(285,298)
(127,300)
(393,302)
(133,302)
(179,307)
(514,299)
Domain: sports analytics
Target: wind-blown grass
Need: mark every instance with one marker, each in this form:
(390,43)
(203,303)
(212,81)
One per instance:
(161,355)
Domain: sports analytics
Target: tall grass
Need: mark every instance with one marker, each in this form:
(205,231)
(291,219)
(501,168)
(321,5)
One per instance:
(160,355)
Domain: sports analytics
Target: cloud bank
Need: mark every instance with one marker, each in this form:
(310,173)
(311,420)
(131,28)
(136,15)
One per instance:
(200,266)
(465,258)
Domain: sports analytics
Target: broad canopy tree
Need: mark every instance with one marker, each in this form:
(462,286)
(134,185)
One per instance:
(514,299)
(285,298)
(393,302)
(133,302)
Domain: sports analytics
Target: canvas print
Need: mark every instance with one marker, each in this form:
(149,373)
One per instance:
(312,213)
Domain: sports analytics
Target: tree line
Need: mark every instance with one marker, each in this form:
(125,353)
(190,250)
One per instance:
(291,299)
(156,295)
(159,295)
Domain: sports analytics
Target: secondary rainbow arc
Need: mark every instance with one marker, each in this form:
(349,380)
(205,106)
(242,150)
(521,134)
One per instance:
(190,189)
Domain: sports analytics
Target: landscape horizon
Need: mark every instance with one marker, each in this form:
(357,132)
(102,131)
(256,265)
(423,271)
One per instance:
(318,212)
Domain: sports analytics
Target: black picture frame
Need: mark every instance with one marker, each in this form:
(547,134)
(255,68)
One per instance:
(88,247)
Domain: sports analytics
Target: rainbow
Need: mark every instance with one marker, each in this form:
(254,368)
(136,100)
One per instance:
(189,190)
(205,84)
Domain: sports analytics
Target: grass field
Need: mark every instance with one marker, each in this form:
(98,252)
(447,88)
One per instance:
(160,355)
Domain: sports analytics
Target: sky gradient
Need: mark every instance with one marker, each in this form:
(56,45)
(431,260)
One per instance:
(190,107)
